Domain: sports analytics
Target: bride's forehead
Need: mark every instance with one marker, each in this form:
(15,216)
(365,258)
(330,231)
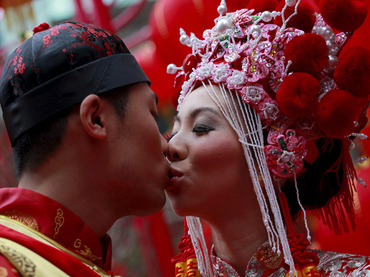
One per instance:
(202,94)
(196,98)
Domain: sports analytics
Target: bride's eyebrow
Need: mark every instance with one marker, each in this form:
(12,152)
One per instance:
(196,112)
(200,110)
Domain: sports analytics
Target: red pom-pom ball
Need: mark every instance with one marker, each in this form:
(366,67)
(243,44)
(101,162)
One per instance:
(343,15)
(42,27)
(308,53)
(353,71)
(337,112)
(303,20)
(298,95)
(262,5)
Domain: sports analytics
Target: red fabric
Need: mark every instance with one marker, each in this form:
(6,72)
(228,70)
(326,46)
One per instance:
(162,243)
(69,264)
(5,265)
(357,241)
(56,222)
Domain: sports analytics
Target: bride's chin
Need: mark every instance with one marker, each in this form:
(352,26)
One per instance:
(180,211)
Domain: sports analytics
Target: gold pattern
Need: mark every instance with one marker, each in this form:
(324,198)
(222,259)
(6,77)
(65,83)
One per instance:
(297,273)
(77,243)
(41,237)
(180,269)
(23,263)
(192,268)
(23,218)
(87,253)
(3,272)
(310,271)
(59,221)
(269,258)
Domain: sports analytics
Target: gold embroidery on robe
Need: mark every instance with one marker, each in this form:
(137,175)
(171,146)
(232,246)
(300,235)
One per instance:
(87,253)
(23,218)
(59,221)
(3,272)
(269,258)
(44,267)
(22,262)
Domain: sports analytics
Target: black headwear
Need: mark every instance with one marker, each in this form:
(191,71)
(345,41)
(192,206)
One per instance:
(57,68)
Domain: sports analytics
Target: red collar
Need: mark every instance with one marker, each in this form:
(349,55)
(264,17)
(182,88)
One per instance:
(57,222)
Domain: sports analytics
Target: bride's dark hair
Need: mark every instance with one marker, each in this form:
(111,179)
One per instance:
(321,181)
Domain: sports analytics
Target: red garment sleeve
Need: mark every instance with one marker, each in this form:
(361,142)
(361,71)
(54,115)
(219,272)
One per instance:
(6,268)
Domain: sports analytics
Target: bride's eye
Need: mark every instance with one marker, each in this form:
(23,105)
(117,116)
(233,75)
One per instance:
(201,128)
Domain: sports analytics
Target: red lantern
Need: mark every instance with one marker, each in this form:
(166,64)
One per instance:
(23,11)
(194,16)
(161,82)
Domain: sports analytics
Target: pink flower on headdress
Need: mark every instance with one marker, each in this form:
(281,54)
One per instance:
(285,153)
(221,72)
(268,110)
(252,94)
(188,84)
(236,79)
(204,71)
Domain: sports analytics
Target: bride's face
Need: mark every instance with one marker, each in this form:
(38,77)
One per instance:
(208,168)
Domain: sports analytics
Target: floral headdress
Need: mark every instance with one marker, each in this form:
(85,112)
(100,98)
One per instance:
(286,65)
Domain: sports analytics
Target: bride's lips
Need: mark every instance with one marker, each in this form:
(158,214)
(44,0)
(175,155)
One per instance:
(174,174)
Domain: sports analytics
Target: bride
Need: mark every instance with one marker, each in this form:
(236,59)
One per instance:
(261,135)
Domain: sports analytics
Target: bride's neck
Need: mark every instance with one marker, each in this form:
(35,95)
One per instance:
(237,238)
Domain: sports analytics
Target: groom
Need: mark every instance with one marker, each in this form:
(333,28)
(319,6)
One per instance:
(80,116)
